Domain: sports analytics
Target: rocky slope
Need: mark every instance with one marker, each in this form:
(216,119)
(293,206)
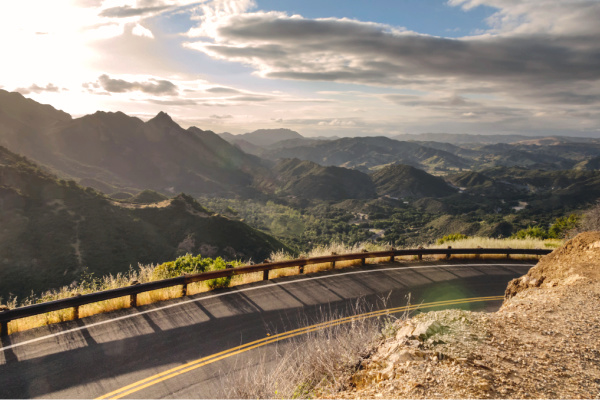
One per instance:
(542,343)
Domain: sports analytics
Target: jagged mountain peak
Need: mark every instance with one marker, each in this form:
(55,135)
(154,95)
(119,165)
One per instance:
(162,119)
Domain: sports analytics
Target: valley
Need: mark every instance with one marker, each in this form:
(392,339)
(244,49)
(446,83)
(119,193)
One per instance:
(105,192)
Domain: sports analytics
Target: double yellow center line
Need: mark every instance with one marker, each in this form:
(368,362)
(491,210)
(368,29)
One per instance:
(182,369)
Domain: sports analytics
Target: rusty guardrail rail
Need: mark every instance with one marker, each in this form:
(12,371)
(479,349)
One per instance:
(132,291)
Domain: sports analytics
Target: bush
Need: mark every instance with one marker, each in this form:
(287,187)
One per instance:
(563,226)
(187,264)
(219,264)
(452,238)
(534,232)
(190,264)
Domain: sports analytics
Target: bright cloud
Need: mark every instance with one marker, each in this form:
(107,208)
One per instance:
(536,69)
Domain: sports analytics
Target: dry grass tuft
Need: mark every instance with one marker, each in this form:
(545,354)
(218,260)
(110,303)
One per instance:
(317,363)
(490,243)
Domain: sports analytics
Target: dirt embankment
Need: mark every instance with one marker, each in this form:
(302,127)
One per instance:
(543,343)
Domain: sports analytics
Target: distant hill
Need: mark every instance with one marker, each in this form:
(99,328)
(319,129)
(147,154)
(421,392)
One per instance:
(366,152)
(589,165)
(263,137)
(53,229)
(113,151)
(469,179)
(405,181)
(147,197)
(480,184)
(312,181)
(544,189)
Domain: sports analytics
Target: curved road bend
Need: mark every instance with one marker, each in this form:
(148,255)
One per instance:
(102,354)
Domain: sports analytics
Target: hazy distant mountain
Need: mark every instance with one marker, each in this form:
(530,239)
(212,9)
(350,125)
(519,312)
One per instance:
(464,138)
(123,151)
(530,156)
(52,230)
(366,152)
(312,181)
(263,137)
(405,181)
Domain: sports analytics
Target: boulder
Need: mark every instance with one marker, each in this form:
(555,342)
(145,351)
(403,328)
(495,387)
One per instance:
(425,330)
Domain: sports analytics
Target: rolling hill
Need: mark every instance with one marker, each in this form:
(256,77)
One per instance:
(401,181)
(309,180)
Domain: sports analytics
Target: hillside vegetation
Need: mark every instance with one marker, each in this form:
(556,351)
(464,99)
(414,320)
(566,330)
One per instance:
(53,230)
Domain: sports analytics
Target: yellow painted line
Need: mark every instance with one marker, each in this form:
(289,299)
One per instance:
(171,373)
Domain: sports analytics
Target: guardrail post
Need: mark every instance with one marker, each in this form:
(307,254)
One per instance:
(301,266)
(266,271)
(133,297)
(76,308)
(364,259)
(184,288)
(508,254)
(448,253)
(392,258)
(333,262)
(4,323)
(420,255)
(478,255)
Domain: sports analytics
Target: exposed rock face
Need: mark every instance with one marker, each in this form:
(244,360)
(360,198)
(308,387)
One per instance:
(578,259)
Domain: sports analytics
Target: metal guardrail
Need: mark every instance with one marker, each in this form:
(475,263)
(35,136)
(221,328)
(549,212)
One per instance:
(132,291)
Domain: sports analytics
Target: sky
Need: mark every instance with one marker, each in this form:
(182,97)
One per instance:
(322,68)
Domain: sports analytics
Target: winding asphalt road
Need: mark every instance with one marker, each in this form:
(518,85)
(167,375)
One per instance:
(119,354)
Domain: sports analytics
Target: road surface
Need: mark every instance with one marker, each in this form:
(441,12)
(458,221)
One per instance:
(201,338)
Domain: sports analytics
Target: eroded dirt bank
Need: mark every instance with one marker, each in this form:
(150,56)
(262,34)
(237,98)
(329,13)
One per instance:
(543,343)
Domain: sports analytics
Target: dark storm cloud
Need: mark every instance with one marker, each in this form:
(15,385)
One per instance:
(153,86)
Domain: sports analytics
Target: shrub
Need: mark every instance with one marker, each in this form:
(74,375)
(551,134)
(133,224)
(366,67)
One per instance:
(563,226)
(534,232)
(452,238)
(217,265)
(187,264)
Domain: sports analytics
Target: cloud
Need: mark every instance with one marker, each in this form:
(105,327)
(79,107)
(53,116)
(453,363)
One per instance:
(224,90)
(139,30)
(226,116)
(322,122)
(291,47)
(533,58)
(250,98)
(38,89)
(152,86)
(127,11)
(179,102)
